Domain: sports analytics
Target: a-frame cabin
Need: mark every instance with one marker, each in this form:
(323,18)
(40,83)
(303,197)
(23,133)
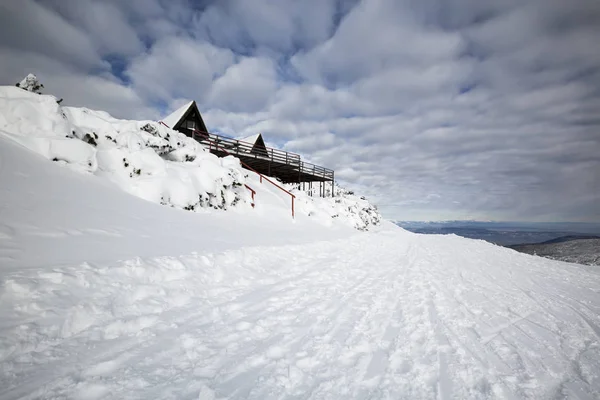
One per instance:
(258,144)
(186,119)
(251,150)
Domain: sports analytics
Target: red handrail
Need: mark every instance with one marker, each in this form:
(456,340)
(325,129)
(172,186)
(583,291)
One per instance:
(221,148)
(253,192)
(245,165)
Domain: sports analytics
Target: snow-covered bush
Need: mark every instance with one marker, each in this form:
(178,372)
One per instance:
(31,84)
(144,158)
(345,206)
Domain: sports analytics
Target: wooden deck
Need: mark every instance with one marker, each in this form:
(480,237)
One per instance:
(286,166)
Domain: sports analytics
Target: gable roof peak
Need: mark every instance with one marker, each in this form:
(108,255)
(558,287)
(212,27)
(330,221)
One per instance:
(251,139)
(176,116)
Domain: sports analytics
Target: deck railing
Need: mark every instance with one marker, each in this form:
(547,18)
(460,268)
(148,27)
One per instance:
(235,146)
(239,147)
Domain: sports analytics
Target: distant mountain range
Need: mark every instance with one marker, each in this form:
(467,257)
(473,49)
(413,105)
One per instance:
(571,242)
(575,249)
(504,233)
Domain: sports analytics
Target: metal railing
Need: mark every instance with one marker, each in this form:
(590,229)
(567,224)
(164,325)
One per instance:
(219,147)
(252,192)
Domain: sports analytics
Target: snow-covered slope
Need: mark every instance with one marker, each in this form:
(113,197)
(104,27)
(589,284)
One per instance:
(50,216)
(106,296)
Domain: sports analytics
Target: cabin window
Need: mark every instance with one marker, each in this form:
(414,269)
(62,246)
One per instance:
(190,124)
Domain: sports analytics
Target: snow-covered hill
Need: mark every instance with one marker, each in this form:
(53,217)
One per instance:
(151,161)
(104,295)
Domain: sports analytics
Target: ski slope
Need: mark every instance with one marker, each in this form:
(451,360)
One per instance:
(106,296)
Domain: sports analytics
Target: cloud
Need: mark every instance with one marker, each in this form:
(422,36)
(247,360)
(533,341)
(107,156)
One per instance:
(375,36)
(38,38)
(29,26)
(102,92)
(93,17)
(178,67)
(279,26)
(245,86)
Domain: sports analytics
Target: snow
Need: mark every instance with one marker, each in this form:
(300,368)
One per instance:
(145,158)
(50,216)
(105,295)
(345,207)
(172,119)
(250,139)
(31,84)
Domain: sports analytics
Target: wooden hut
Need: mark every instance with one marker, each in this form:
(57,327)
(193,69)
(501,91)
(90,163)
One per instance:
(186,119)
(258,144)
(251,150)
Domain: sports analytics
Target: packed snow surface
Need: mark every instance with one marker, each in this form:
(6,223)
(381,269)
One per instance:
(104,295)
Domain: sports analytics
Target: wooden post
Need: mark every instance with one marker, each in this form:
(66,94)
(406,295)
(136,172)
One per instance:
(332,184)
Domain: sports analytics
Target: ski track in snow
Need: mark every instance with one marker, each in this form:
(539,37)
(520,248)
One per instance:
(387,315)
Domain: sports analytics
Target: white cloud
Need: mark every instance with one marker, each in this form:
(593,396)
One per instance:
(246,86)
(178,67)
(375,36)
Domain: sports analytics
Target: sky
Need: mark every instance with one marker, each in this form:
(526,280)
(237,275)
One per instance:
(433,109)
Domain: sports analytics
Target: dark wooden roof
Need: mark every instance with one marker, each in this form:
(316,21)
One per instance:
(259,145)
(192,112)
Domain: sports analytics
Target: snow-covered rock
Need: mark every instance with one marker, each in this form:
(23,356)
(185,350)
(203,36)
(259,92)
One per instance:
(345,206)
(143,158)
(31,84)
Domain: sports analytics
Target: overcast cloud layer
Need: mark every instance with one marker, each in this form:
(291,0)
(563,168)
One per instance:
(434,109)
